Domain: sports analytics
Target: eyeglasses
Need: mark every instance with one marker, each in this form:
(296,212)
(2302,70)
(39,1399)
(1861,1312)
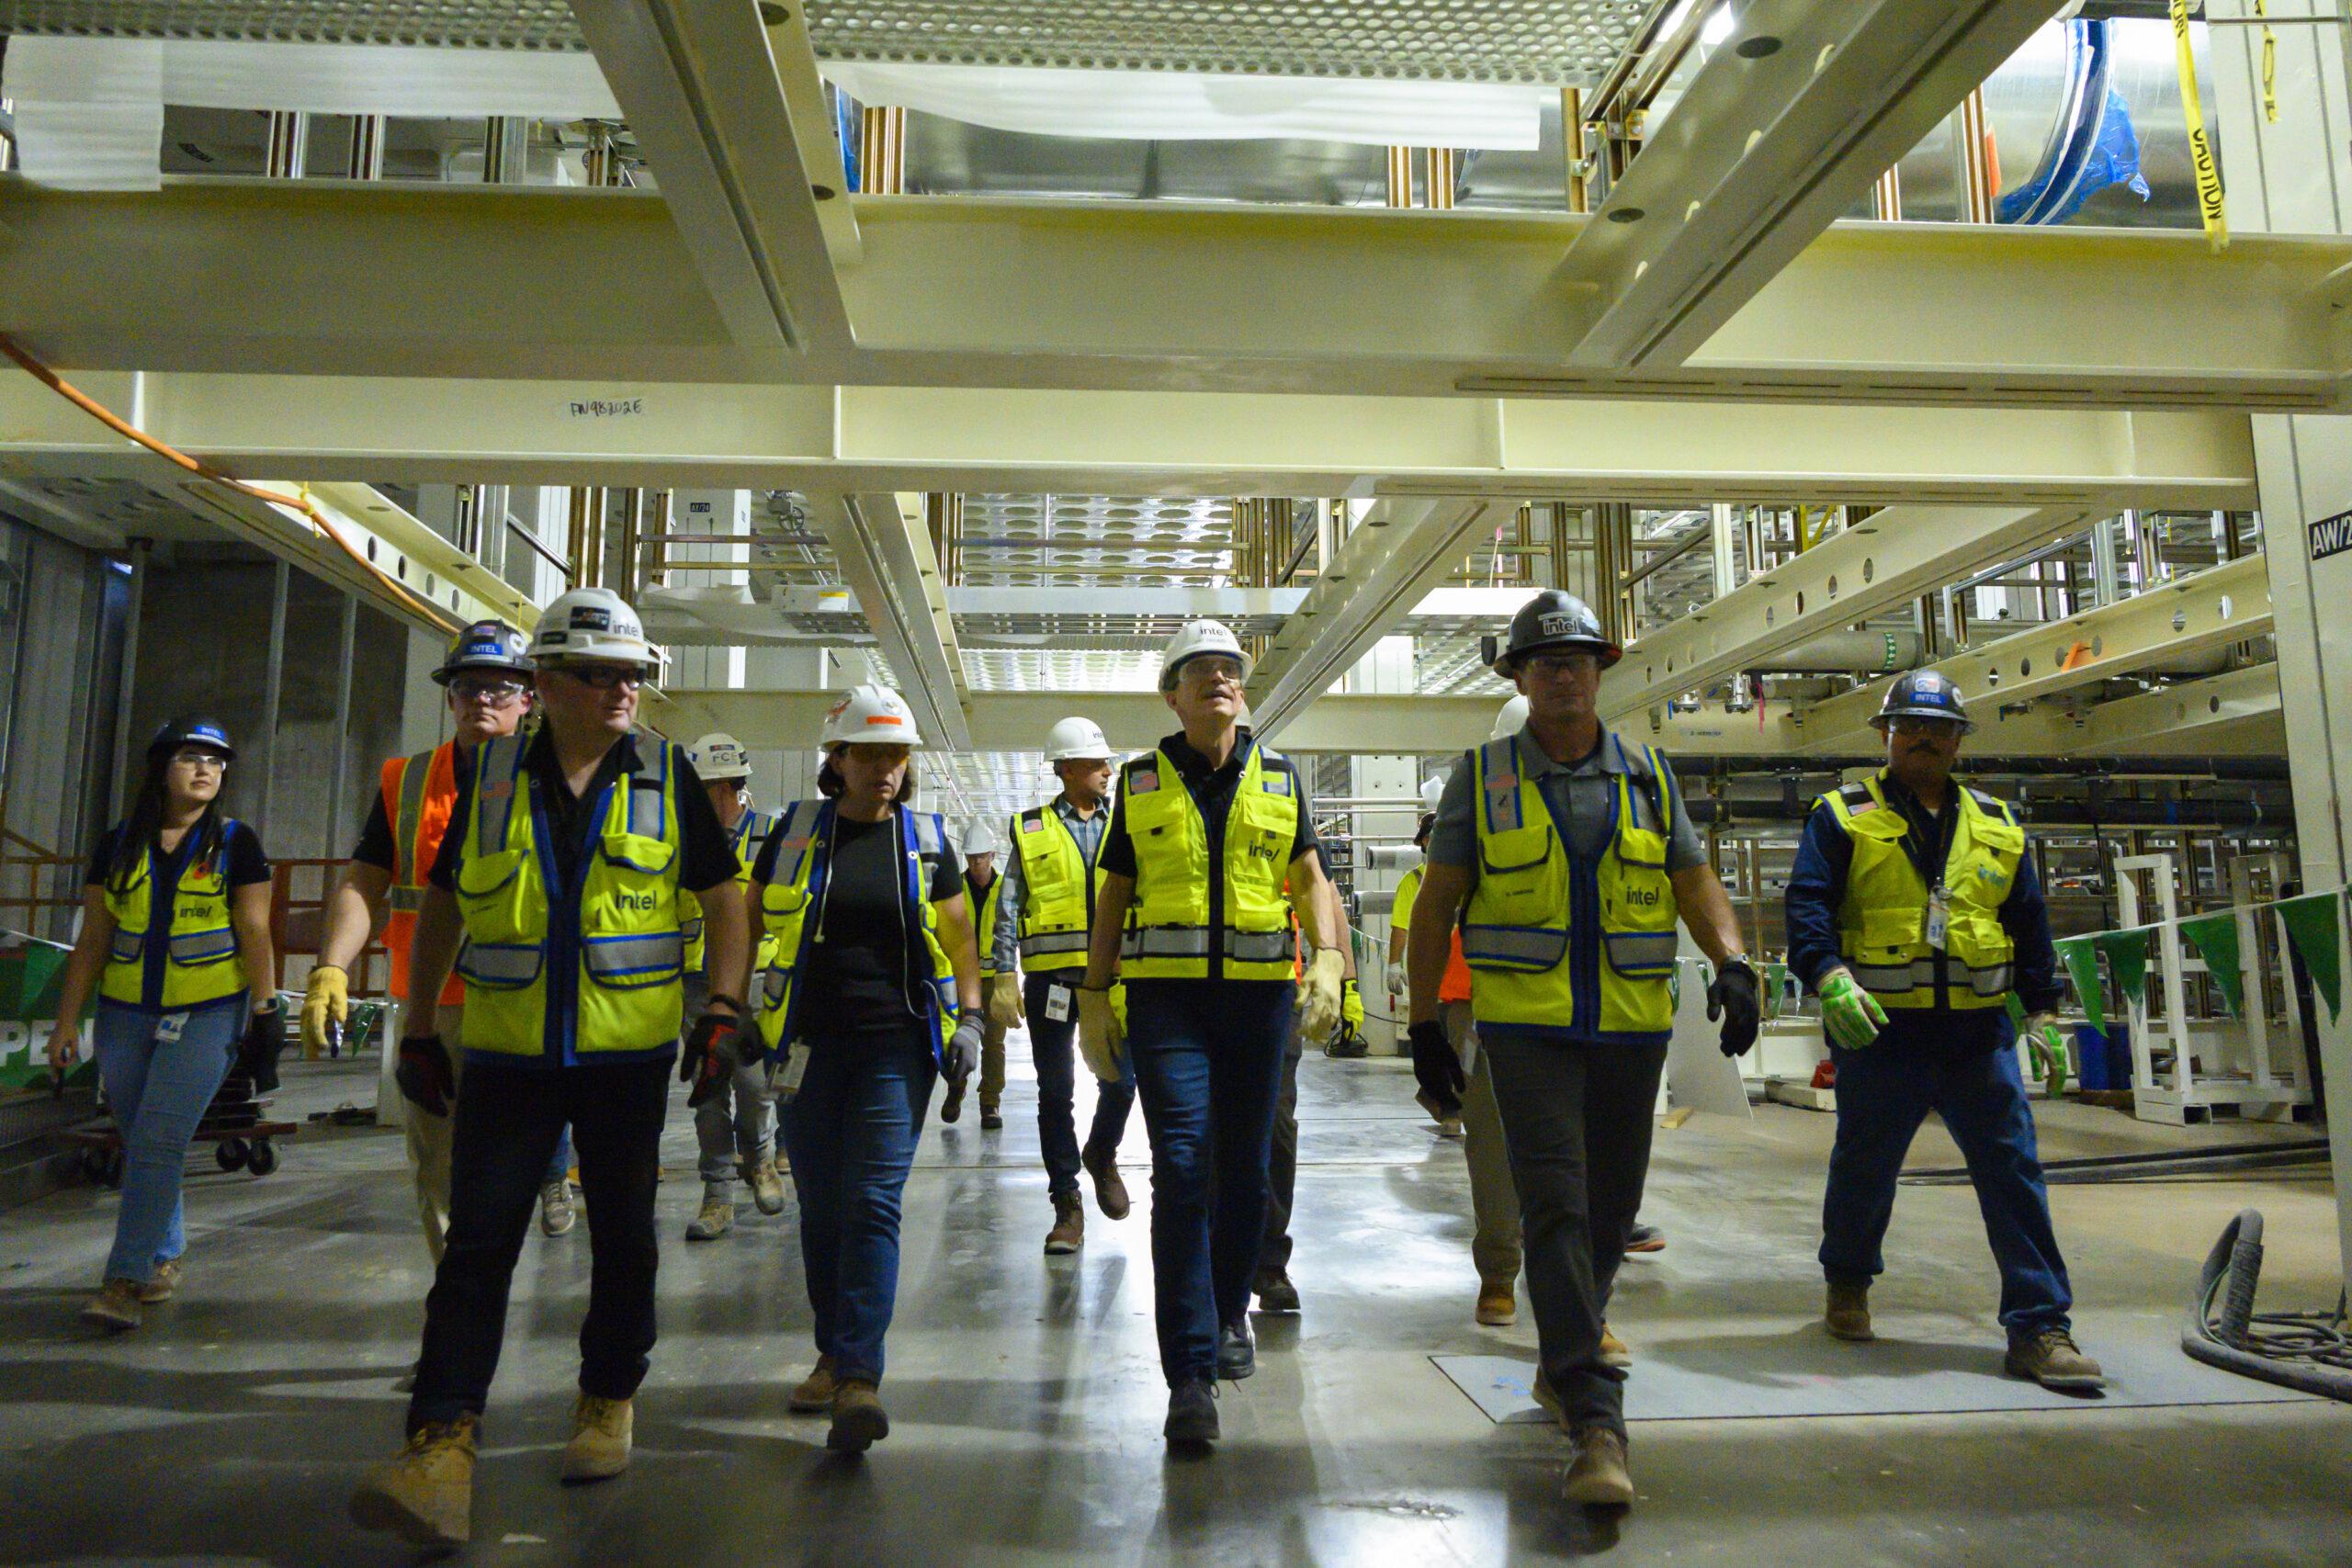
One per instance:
(879,753)
(201,762)
(1918,724)
(606,677)
(489,689)
(1557,666)
(1210,672)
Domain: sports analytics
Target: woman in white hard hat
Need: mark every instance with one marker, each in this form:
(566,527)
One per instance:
(175,940)
(865,899)
(983,885)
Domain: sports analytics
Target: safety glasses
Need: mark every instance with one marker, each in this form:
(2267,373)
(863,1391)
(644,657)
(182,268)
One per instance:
(606,677)
(489,690)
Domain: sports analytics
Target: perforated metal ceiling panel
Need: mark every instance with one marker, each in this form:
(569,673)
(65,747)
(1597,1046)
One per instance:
(467,24)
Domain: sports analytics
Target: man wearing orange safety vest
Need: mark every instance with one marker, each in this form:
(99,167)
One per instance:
(488,680)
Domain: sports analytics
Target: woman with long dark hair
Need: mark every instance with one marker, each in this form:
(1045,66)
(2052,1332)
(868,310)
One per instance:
(175,940)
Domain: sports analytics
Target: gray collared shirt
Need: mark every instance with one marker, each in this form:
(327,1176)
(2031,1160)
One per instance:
(1578,794)
(1005,942)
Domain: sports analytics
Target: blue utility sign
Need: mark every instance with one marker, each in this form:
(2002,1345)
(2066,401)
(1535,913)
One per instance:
(2330,536)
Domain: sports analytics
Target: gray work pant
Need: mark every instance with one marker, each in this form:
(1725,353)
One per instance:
(736,1127)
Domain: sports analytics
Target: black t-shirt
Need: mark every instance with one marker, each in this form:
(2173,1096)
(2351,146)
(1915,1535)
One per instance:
(247,863)
(706,850)
(376,847)
(1212,790)
(867,959)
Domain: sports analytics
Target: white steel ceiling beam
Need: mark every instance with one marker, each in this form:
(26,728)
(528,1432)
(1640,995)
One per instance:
(866,440)
(1888,557)
(333,278)
(883,550)
(1775,137)
(1397,553)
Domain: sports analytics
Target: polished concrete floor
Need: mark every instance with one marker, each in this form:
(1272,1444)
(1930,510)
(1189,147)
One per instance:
(1026,1398)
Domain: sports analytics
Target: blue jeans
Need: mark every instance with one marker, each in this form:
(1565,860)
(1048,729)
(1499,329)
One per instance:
(1208,1062)
(158,1090)
(1054,1045)
(1882,1100)
(850,1134)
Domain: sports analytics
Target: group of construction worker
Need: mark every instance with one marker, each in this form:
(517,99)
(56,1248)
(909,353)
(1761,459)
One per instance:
(578,908)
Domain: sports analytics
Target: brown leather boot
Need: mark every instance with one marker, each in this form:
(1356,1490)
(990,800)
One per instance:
(1848,1315)
(2051,1359)
(815,1395)
(1498,1303)
(1070,1228)
(427,1498)
(601,1433)
(859,1420)
(1109,1189)
(1599,1478)
(1614,1352)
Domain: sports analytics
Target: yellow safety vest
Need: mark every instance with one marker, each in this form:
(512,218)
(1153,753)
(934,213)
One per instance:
(595,969)
(792,907)
(1057,892)
(1168,933)
(1562,943)
(1408,888)
(196,951)
(984,920)
(1883,919)
(751,830)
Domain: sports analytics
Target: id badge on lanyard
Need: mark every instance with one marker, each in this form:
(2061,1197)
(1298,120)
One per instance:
(1939,917)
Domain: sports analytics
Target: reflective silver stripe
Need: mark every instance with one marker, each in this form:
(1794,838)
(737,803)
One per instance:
(129,945)
(510,964)
(1631,952)
(1499,808)
(931,833)
(406,900)
(1053,942)
(1166,942)
(621,956)
(415,774)
(1259,947)
(775,983)
(1513,947)
(1919,975)
(499,760)
(1994,982)
(645,800)
(203,947)
(801,822)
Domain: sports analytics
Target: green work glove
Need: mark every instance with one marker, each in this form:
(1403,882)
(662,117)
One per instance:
(1849,1015)
(2046,1044)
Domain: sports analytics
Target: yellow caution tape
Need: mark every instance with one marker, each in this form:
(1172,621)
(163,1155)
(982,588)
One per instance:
(2200,146)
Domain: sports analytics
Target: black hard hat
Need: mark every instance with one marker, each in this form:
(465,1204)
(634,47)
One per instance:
(1923,693)
(486,645)
(1555,619)
(193,729)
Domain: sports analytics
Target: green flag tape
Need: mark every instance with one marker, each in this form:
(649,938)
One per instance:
(2215,937)
(2082,963)
(2311,925)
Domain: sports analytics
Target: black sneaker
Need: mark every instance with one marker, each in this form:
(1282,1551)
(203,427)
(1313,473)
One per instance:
(1191,1412)
(1237,1351)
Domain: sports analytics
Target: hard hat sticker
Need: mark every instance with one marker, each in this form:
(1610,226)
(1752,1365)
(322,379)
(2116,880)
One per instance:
(588,618)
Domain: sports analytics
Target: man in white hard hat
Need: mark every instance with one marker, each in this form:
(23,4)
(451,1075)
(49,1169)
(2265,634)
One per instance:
(1211,837)
(983,888)
(1053,880)
(560,869)
(735,1126)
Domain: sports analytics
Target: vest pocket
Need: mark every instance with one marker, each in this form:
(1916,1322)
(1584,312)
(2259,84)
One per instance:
(502,966)
(1516,887)
(490,896)
(127,945)
(1896,932)
(193,950)
(631,963)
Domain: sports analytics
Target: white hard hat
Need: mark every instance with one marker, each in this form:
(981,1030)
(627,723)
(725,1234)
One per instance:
(1432,791)
(1197,637)
(870,714)
(981,836)
(1074,738)
(1511,719)
(718,756)
(592,623)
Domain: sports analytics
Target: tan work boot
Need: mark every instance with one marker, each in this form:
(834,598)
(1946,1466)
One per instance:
(767,1190)
(165,1285)
(2051,1359)
(1070,1228)
(1498,1304)
(427,1499)
(1598,1477)
(1614,1352)
(859,1420)
(1540,1388)
(116,1306)
(1848,1315)
(1109,1189)
(600,1439)
(815,1395)
(716,1216)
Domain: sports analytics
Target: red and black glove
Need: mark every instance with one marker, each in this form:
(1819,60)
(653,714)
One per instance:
(714,1047)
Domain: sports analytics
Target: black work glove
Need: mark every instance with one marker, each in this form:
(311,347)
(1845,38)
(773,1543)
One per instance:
(1732,997)
(264,1043)
(714,1047)
(1437,1065)
(426,1078)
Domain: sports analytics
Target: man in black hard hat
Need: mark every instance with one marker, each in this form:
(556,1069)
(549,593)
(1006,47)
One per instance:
(1576,859)
(1914,911)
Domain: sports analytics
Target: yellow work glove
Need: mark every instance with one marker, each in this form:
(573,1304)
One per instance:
(1100,1037)
(1352,1006)
(1004,1000)
(1849,1015)
(2046,1044)
(1319,994)
(328,1000)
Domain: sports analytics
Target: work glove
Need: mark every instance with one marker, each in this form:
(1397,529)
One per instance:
(425,1075)
(1732,998)
(1319,994)
(1438,1066)
(1351,1007)
(1100,1037)
(264,1041)
(963,1050)
(2046,1044)
(1004,1000)
(1849,1015)
(1395,988)
(714,1047)
(327,1001)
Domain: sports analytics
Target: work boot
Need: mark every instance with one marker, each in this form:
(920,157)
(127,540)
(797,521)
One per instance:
(1237,1350)
(1449,1123)
(1110,1192)
(556,1214)
(767,1189)
(716,1216)
(1646,1238)
(1614,1350)
(1069,1226)
(1539,1388)
(1498,1303)
(116,1306)
(1274,1289)
(1848,1316)
(859,1420)
(2050,1358)
(600,1439)
(952,1107)
(990,1121)
(427,1499)
(1598,1477)
(815,1395)
(165,1285)
(1191,1412)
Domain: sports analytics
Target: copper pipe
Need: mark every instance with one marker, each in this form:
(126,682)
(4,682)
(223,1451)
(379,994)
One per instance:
(1975,161)
(1441,177)
(1886,197)
(1401,176)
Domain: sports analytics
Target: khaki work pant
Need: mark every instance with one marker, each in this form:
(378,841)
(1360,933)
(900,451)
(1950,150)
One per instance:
(1494,1247)
(428,1139)
(991,1065)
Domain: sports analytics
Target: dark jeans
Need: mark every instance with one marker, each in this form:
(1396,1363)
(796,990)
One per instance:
(850,1134)
(1577,1118)
(509,1120)
(1054,1046)
(1281,1160)
(1882,1099)
(1207,1059)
